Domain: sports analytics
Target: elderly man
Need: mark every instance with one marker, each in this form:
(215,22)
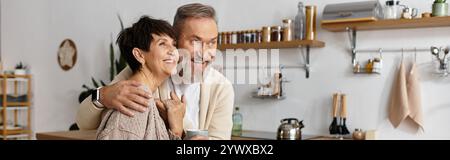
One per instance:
(209,101)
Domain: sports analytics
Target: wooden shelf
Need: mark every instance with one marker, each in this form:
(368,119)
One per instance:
(390,24)
(18,104)
(14,76)
(274,45)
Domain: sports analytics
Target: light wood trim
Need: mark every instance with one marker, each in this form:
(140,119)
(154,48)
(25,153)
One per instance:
(68,135)
(6,104)
(349,20)
(30,134)
(4,112)
(273,45)
(390,24)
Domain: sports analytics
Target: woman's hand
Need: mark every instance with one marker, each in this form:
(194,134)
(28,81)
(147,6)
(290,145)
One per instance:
(172,111)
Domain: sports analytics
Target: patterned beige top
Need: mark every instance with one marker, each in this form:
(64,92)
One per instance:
(147,125)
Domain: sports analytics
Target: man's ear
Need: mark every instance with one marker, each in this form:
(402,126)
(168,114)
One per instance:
(137,53)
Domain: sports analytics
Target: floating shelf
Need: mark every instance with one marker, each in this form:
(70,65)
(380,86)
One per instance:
(389,24)
(274,45)
(279,45)
(255,95)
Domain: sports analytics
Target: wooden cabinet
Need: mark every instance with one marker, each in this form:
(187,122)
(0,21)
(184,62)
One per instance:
(15,107)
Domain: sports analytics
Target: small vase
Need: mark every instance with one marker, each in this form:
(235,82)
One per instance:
(440,9)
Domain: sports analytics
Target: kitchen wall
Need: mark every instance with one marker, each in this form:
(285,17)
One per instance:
(33,30)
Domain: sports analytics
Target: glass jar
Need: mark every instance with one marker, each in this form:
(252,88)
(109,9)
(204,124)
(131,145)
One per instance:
(234,37)
(276,34)
(258,36)
(392,10)
(287,30)
(311,14)
(253,36)
(265,33)
(229,38)
(224,37)
(219,38)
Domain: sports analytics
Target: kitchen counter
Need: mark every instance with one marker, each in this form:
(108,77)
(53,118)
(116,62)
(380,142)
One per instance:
(246,135)
(67,135)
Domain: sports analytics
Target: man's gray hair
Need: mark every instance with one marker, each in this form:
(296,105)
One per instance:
(193,10)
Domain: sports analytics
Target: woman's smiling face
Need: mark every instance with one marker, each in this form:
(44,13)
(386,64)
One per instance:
(162,57)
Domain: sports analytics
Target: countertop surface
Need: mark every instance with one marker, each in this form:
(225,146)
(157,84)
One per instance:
(246,135)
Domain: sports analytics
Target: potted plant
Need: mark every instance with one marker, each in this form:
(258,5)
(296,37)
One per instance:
(440,8)
(21,69)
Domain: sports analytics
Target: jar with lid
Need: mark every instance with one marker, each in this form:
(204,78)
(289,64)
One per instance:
(276,34)
(392,9)
(229,38)
(265,33)
(233,37)
(357,68)
(224,37)
(253,36)
(358,134)
(287,30)
(377,65)
(311,14)
(219,38)
(258,36)
(369,66)
(239,36)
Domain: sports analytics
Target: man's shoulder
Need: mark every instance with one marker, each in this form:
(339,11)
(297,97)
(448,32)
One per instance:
(217,78)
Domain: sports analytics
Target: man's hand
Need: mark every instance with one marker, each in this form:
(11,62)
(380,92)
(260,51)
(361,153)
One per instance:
(172,111)
(125,96)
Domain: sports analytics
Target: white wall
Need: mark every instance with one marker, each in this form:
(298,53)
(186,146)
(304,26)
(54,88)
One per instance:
(32,31)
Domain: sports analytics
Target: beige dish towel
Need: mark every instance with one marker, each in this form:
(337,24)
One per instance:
(406,98)
(398,107)
(414,97)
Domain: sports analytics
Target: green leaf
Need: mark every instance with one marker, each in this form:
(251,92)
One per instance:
(121,22)
(103,83)
(95,83)
(111,60)
(85,87)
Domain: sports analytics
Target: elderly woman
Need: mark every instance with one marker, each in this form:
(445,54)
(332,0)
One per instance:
(149,49)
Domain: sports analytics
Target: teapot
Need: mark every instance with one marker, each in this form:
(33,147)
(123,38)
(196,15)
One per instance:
(290,129)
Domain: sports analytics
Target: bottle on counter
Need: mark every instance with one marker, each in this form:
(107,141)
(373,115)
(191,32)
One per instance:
(299,26)
(237,122)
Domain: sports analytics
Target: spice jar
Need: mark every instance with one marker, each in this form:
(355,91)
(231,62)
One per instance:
(219,38)
(234,37)
(224,37)
(357,68)
(229,38)
(369,66)
(287,30)
(377,65)
(311,14)
(276,34)
(258,36)
(266,31)
(254,36)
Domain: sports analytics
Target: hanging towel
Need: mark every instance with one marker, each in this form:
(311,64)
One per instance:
(414,97)
(398,106)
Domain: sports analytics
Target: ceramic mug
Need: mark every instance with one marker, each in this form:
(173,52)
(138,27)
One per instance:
(194,132)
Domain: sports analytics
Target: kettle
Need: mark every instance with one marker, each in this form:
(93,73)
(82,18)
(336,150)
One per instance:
(290,129)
